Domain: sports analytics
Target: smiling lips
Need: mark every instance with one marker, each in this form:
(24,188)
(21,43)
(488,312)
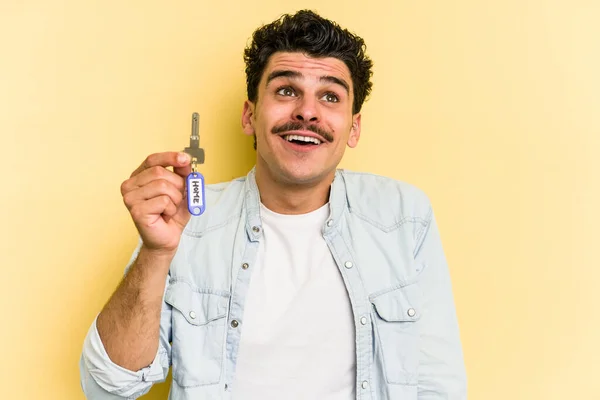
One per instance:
(302,140)
(301,143)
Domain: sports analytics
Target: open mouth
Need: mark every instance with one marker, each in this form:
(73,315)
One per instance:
(302,140)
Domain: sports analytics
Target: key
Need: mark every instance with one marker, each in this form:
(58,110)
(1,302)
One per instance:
(194,149)
(196,199)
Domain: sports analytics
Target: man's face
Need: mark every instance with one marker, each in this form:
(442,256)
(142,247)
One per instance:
(302,118)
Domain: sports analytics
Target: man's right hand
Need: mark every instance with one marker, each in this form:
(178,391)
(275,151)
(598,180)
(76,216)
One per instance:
(154,197)
(129,323)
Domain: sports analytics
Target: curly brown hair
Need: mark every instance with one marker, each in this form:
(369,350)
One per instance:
(315,36)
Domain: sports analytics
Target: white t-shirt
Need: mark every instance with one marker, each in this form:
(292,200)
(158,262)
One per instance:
(298,338)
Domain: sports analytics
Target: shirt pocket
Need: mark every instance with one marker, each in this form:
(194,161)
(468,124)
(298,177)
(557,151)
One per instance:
(198,334)
(396,332)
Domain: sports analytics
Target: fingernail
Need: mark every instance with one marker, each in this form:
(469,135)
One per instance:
(183,157)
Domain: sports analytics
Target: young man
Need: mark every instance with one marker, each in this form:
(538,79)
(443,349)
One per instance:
(300,281)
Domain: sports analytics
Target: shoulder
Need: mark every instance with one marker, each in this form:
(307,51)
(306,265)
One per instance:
(385,202)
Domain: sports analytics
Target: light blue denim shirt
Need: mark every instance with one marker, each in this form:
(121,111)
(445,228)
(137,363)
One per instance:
(384,239)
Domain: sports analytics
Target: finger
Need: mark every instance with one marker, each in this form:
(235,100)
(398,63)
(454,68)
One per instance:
(153,189)
(182,212)
(150,175)
(166,159)
(148,210)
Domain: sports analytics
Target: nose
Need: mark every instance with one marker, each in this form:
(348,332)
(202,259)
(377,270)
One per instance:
(306,110)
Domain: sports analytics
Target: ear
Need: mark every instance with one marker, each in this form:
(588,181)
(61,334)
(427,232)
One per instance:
(354,132)
(248,118)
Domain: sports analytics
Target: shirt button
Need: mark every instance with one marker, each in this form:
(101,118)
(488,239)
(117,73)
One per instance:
(330,222)
(411,312)
(363,320)
(365,384)
(234,323)
(256,229)
(348,264)
(192,315)
(245,265)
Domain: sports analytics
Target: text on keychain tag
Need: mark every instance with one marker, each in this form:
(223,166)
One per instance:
(196,200)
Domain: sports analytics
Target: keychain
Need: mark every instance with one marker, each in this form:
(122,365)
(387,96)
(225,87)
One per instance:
(195,181)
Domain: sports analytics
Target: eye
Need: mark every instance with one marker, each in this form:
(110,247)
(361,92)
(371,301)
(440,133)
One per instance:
(286,91)
(330,98)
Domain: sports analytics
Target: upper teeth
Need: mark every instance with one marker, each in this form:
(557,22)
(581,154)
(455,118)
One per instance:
(289,138)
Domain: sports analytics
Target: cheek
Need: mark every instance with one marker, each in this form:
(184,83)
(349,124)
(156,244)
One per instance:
(277,114)
(340,125)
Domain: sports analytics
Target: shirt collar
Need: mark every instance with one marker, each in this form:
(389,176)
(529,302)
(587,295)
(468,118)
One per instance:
(337,204)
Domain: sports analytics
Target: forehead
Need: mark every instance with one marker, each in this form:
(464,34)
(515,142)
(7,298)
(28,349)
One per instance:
(309,67)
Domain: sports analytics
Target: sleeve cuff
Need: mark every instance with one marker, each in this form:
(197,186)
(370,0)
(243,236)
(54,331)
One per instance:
(114,378)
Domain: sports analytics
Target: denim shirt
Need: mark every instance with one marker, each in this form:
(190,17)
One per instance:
(384,239)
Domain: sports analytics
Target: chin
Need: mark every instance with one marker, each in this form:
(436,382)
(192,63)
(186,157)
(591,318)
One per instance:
(295,172)
(296,177)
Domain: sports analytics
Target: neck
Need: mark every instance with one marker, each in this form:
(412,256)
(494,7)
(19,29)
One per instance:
(290,198)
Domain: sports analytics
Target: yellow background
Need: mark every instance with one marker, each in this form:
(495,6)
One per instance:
(491,107)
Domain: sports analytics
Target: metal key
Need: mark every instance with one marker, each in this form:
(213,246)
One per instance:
(194,150)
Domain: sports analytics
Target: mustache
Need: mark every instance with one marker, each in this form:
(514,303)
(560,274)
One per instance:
(299,126)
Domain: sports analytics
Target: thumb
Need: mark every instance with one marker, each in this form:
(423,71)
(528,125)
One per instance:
(183,170)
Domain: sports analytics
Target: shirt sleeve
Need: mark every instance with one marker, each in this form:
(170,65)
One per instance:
(101,379)
(442,372)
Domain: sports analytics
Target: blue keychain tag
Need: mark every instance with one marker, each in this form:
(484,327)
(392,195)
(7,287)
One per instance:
(195,193)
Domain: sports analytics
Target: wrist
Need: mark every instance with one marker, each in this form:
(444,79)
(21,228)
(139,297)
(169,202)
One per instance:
(156,256)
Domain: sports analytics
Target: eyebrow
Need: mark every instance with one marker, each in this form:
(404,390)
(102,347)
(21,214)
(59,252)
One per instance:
(297,75)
